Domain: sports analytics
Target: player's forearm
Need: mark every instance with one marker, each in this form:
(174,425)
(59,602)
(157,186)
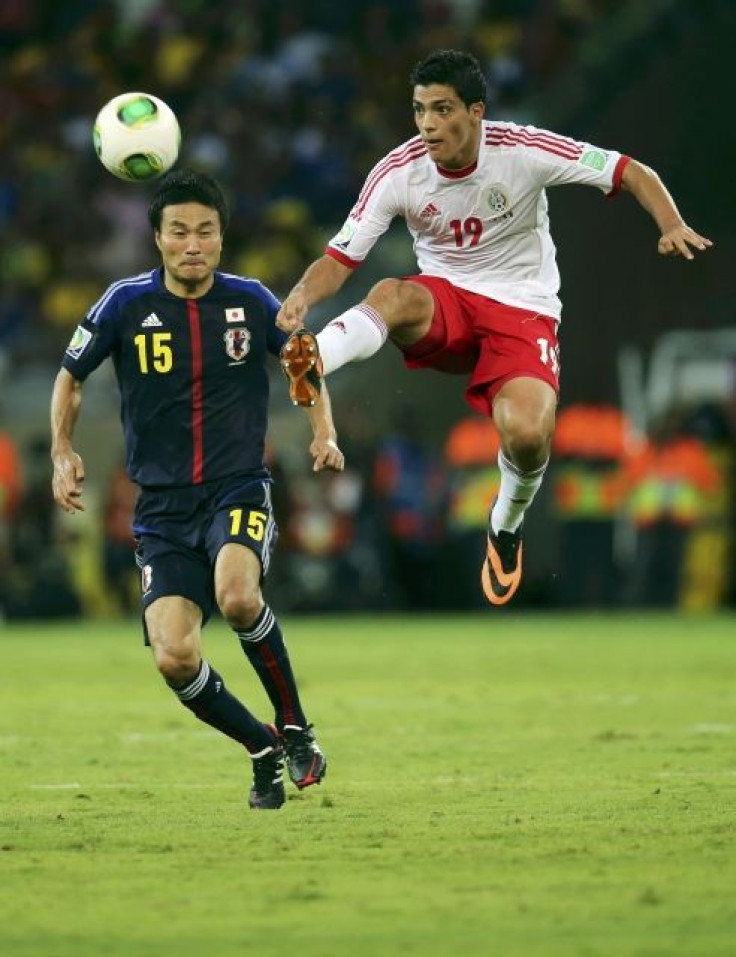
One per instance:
(321,280)
(66,401)
(320,416)
(649,190)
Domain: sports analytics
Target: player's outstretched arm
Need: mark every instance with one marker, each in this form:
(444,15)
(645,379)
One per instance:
(323,448)
(677,238)
(321,280)
(68,466)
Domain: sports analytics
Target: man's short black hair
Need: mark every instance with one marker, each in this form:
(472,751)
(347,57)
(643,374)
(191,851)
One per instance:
(187,186)
(452,68)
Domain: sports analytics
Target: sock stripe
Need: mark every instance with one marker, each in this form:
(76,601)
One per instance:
(262,626)
(281,683)
(505,463)
(375,318)
(194,688)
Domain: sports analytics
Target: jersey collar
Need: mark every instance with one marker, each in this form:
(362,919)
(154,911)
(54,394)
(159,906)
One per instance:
(458,173)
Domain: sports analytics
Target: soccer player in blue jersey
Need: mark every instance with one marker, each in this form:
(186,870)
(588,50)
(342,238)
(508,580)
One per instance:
(189,345)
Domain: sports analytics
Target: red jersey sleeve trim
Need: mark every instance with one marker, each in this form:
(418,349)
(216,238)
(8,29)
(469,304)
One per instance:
(618,175)
(342,258)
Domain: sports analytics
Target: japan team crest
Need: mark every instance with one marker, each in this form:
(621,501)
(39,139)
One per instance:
(237,343)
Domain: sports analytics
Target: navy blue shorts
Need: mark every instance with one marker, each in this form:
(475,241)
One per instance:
(181,531)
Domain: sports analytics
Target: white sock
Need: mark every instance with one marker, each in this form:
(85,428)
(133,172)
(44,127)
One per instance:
(515,495)
(356,334)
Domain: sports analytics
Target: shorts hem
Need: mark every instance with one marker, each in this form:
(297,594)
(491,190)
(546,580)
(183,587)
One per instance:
(481,395)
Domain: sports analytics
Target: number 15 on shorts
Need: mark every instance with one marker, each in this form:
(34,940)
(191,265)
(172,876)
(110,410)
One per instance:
(248,521)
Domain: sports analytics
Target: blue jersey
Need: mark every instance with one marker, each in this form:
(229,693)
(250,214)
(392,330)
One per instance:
(192,374)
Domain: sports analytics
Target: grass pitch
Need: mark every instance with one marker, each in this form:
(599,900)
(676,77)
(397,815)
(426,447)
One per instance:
(498,785)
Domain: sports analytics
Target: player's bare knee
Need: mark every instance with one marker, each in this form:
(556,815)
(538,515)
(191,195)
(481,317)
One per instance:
(400,303)
(240,609)
(177,665)
(528,445)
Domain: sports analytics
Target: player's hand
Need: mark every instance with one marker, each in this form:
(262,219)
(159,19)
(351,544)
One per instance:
(677,242)
(326,455)
(68,480)
(293,311)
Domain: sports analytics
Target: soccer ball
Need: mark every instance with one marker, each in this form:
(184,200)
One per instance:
(136,136)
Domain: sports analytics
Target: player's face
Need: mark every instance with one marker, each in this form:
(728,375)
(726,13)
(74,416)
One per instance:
(450,129)
(190,242)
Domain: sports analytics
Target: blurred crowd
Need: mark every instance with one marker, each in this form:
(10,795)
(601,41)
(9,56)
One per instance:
(288,103)
(624,521)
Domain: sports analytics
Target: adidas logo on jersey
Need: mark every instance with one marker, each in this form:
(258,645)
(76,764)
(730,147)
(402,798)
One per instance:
(152,320)
(429,210)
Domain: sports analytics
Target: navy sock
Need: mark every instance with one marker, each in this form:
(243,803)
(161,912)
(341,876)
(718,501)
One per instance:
(264,647)
(209,699)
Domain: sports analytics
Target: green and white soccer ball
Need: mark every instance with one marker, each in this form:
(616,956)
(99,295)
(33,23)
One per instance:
(136,136)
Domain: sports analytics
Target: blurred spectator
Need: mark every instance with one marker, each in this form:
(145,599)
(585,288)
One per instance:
(327,559)
(11,481)
(709,558)
(471,457)
(121,571)
(590,446)
(672,482)
(41,582)
(10,491)
(286,242)
(411,494)
(319,542)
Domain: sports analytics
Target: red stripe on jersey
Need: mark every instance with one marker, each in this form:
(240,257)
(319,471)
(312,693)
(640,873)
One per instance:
(560,146)
(391,162)
(495,131)
(342,258)
(618,173)
(398,153)
(417,153)
(195,336)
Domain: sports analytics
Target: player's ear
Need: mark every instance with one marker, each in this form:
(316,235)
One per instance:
(157,237)
(478,110)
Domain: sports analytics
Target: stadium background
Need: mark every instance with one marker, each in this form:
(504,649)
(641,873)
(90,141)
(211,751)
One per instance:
(289,105)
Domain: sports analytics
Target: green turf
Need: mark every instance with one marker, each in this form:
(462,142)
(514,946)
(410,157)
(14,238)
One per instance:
(506,785)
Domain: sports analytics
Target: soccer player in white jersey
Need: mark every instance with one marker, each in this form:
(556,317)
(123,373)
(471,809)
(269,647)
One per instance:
(472,193)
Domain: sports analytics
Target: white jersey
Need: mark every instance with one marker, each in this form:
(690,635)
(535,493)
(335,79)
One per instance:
(486,228)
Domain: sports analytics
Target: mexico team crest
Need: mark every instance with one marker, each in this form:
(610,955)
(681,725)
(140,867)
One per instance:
(237,343)
(497,200)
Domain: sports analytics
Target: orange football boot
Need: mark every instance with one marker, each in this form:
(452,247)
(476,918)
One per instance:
(501,573)
(302,366)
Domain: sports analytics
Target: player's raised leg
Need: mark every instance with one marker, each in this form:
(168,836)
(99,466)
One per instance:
(173,629)
(524,413)
(394,307)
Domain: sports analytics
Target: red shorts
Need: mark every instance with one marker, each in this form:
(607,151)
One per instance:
(492,341)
